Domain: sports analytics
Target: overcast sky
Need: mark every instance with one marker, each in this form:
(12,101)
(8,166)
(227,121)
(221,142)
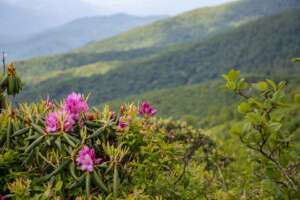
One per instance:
(147,7)
(136,7)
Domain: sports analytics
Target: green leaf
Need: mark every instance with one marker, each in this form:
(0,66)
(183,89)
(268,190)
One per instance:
(72,171)
(236,129)
(253,117)
(88,185)
(97,133)
(69,141)
(77,183)
(116,182)
(297,98)
(38,129)
(56,171)
(233,74)
(34,144)
(98,181)
(295,60)
(58,143)
(272,83)
(282,84)
(262,86)
(231,85)
(58,186)
(255,102)
(244,108)
(275,126)
(21,131)
(242,84)
(246,127)
(225,77)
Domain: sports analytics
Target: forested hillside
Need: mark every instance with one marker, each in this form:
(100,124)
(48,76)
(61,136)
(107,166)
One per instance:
(193,26)
(194,21)
(248,48)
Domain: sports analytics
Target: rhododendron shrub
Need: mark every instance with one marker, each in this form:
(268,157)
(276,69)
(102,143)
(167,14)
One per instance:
(68,150)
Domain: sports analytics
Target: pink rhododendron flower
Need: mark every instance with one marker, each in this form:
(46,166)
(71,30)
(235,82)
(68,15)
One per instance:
(58,121)
(75,104)
(2,197)
(86,159)
(146,109)
(122,124)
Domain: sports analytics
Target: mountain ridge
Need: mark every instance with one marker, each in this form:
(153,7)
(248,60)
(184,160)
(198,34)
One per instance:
(191,26)
(74,34)
(194,63)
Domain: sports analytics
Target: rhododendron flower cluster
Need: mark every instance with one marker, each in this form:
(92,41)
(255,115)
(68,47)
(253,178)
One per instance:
(86,159)
(147,110)
(75,104)
(59,121)
(65,118)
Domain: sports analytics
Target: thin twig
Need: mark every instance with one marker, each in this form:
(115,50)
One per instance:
(3,61)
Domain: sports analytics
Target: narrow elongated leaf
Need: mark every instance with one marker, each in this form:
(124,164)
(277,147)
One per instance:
(72,171)
(21,131)
(68,140)
(58,143)
(38,129)
(98,181)
(56,171)
(77,183)
(116,182)
(34,144)
(96,133)
(88,185)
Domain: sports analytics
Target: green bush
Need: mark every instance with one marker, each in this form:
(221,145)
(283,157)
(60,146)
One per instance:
(42,144)
(66,150)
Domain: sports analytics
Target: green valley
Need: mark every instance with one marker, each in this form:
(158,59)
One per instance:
(241,48)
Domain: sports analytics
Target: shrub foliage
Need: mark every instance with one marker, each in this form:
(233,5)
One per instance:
(67,150)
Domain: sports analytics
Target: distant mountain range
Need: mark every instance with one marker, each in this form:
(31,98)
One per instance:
(74,34)
(193,26)
(24,17)
(257,40)
(19,22)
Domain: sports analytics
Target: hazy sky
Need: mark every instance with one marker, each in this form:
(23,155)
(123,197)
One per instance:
(145,7)
(137,7)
